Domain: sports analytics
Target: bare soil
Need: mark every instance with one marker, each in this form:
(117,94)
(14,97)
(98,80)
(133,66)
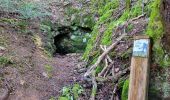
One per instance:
(27,78)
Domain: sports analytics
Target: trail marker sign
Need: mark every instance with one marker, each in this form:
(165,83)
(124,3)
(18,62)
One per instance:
(139,73)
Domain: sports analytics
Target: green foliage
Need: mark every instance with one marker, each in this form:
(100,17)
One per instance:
(31,10)
(3,40)
(46,28)
(155,30)
(79,39)
(27,10)
(124,95)
(130,27)
(105,12)
(71,92)
(155,26)
(48,69)
(52,98)
(79,17)
(4,61)
(110,24)
(98,69)
(128,4)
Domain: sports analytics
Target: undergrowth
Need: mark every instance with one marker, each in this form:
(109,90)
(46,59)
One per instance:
(110,23)
(4,61)
(71,92)
(155,30)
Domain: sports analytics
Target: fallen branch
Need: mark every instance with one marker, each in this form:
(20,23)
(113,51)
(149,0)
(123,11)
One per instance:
(103,55)
(104,69)
(113,78)
(108,69)
(104,48)
(114,94)
(94,90)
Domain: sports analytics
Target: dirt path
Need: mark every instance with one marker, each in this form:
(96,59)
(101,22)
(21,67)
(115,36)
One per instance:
(34,76)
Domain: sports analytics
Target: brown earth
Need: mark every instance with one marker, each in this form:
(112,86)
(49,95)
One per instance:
(27,78)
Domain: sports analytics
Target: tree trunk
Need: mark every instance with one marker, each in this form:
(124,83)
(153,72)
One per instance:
(165,12)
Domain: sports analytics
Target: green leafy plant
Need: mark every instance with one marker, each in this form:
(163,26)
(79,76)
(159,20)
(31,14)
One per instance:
(124,95)
(4,61)
(71,92)
(49,69)
(52,98)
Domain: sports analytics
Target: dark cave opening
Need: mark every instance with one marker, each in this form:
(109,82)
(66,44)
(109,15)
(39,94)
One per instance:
(65,43)
(64,33)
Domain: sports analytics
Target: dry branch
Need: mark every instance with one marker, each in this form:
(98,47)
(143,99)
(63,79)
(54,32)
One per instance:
(108,69)
(104,48)
(113,78)
(103,55)
(114,95)
(94,90)
(104,69)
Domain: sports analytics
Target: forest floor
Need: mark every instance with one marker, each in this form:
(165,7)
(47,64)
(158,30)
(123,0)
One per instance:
(32,75)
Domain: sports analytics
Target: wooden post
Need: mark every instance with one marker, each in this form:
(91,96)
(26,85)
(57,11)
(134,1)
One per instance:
(139,73)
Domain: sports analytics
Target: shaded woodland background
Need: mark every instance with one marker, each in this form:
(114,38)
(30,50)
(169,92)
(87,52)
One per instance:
(47,47)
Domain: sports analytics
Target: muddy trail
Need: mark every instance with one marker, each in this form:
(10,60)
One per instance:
(30,73)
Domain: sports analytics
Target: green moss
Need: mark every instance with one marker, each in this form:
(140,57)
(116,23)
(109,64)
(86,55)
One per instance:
(105,12)
(110,24)
(124,95)
(155,30)
(48,69)
(4,61)
(98,69)
(128,4)
(155,26)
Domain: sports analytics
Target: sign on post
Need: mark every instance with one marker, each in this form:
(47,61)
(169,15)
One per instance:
(139,73)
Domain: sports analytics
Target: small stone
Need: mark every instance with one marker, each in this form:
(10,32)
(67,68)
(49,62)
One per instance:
(45,74)
(82,70)
(2,49)
(116,70)
(22,82)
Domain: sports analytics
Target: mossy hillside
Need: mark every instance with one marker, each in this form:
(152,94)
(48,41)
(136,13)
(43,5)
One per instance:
(110,24)
(105,13)
(155,30)
(79,17)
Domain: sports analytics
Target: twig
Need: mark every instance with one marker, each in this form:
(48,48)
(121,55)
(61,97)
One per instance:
(27,64)
(103,55)
(104,48)
(108,69)
(106,61)
(113,78)
(104,69)
(114,94)
(143,15)
(94,90)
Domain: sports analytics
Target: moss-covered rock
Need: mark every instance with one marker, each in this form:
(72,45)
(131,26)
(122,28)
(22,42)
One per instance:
(155,30)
